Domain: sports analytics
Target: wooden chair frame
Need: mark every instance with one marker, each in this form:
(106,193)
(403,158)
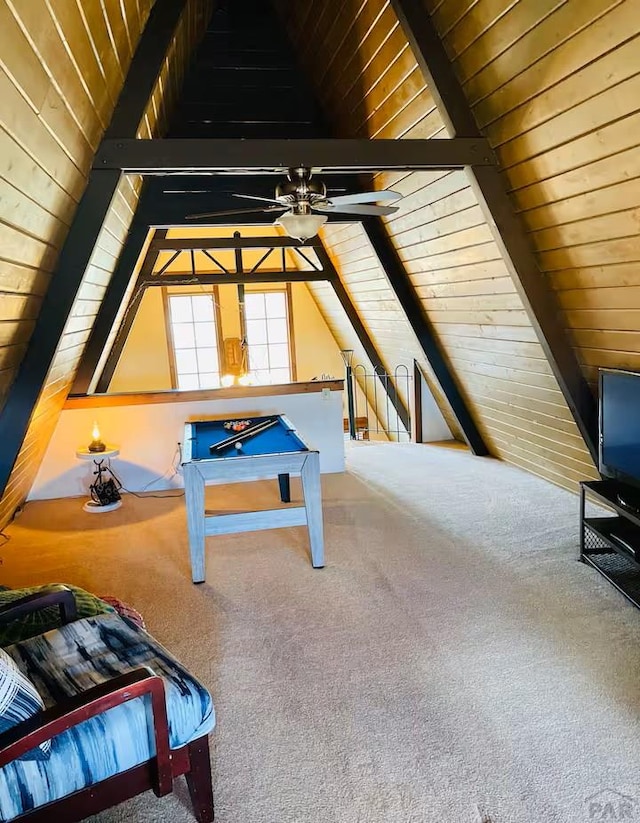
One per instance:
(157,773)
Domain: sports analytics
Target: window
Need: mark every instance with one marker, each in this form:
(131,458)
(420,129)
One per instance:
(192,321)
(267,324)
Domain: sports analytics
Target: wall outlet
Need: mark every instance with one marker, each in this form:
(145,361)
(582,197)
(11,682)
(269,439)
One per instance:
(326,394)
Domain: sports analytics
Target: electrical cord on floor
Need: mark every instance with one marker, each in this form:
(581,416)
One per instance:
(170,472)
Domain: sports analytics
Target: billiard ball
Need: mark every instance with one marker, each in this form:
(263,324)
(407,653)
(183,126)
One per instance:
(238,445)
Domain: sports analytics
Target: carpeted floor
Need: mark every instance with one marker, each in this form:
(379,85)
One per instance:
(453,662)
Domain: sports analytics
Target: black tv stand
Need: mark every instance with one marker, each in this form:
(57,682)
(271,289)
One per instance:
(611,544)
(629,500)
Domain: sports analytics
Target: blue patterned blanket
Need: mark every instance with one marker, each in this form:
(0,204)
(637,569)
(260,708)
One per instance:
(70,660)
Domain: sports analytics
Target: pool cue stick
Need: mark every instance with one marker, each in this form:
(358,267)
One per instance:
(234,438)
(245,435)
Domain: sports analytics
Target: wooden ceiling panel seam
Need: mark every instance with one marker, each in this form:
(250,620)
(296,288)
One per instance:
(107,63)
(451,205)
(504,33)
(576,182)
(345,30)
(606,142)
(606,201)
(542,437)
(589,115)
(469,30)
(612,69)
(600,276)
(362,50)
(557,51)
(32,134)
(406,84)
(445,17)
(69,20)
(36,23)
(476,288)
(621,226)
(545,417)
(445,231)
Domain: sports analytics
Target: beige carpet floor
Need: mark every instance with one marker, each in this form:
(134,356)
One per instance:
(452,663)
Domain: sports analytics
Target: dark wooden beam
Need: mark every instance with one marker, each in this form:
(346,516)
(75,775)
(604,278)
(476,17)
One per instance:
(247,279)
(127,319)
(405,293)
(80,242)
(490,187)
(110,306)
(173,197)
(171,216)
(418,433)
(365,340)
(146,278)
(198,243)
(276,156)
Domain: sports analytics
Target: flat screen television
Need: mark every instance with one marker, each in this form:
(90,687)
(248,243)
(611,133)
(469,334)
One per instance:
(619,425)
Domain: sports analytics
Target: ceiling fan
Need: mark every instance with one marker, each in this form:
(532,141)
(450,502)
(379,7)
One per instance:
(304,206)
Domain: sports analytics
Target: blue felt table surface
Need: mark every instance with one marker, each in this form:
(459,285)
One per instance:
(276,439)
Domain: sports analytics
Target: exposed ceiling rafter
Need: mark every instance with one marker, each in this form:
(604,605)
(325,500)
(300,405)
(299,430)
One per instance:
(409,301)
(238,274)
(324,271)
(260,157)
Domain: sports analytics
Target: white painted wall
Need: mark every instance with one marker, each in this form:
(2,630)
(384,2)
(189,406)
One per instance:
(434,426)
(148,437)
(144,364)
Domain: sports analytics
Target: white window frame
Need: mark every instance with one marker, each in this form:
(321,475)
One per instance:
(286,292)
(215,343)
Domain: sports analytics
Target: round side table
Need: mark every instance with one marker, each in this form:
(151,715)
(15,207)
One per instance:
(97,457)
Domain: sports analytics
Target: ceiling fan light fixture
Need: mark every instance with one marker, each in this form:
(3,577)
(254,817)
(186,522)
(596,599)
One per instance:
(301,226)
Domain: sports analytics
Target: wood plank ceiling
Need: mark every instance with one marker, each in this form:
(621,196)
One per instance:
(543,83)
(64,64)
(553,85)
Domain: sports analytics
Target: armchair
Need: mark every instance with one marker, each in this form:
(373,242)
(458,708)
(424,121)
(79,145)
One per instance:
(122,714)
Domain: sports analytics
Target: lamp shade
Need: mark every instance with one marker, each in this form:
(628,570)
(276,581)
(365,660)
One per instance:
(301,226)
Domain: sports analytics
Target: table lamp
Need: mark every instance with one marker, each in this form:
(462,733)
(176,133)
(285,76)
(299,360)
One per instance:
(96,444)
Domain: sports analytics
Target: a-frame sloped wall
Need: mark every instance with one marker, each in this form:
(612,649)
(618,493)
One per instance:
(369,402)
(66,62)
(381,314)
(555,88)
(367,78)
(57,98)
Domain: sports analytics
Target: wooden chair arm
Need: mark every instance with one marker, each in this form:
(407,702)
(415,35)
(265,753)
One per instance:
(42,727)
(57,595)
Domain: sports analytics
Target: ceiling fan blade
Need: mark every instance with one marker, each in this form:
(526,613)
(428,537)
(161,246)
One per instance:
(253,197)
(355,209)
(365,197)
(230,212)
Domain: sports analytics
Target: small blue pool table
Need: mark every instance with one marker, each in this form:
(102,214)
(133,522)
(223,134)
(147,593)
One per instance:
(249,448)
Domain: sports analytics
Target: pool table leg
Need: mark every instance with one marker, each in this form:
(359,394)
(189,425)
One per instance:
(310,476)
(285,488)
(194,499)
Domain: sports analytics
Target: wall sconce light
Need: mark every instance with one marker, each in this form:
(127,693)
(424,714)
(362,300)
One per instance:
(96,444)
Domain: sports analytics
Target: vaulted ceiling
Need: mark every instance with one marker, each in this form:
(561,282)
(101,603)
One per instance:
(509,281)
